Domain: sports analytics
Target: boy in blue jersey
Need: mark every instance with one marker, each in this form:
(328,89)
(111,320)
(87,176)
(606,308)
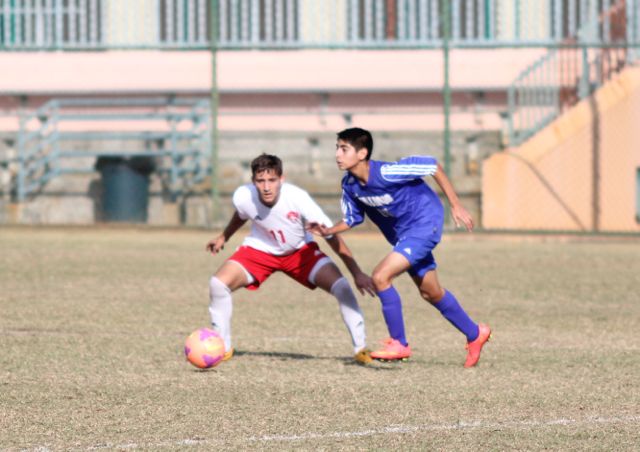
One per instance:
(410,215)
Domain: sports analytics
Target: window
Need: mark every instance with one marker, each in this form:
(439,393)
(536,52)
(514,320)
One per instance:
(50,23)
(239,22)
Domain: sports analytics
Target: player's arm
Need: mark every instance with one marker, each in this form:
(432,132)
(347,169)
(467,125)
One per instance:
(409,168)
(352,215)
(458,212)
(216,244)
(418,166)
(362,281)
(324,231)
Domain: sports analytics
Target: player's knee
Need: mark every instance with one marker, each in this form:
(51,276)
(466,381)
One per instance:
(426,295)
(381,281)
(217,288)
(341,288)
(432,294)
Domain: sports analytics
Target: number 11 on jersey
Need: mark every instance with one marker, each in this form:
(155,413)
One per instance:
(280,234)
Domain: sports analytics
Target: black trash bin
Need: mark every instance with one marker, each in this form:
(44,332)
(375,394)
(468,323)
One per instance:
(125,188)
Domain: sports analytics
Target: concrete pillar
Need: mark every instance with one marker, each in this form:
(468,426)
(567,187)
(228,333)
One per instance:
(170,214)
(14,213)
(131,22)
(519,19)
(323,21)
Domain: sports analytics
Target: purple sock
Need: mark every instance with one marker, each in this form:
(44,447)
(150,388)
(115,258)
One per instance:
(392,312)
(453,312)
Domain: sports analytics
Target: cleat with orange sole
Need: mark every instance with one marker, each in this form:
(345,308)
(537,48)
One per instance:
(401,360)
(363,357)
(228,355)
(392,350)
(474,348)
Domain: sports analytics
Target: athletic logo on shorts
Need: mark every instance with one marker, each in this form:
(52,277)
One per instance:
(408,251)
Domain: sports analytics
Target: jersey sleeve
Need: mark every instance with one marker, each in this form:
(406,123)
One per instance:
(414,167)
(311,211)
(352,213)
(241,201)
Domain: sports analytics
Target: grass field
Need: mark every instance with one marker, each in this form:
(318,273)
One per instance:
(93,321)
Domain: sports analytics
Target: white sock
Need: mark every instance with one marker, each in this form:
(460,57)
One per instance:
(220,309)
(351,313)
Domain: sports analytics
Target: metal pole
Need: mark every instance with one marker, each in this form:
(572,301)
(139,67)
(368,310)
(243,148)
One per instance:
(633,30)
(511,112)
(21,177)
(584,88)
(213,123)
(446,90)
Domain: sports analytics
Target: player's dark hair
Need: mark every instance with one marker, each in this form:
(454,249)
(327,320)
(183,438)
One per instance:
(358,138)
(266,162)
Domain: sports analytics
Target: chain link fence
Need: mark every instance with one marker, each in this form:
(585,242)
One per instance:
(551,147)
(581,173)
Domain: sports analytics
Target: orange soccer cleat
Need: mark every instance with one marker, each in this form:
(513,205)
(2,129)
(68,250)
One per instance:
(228,355)
(392,350)
(475,347)
(363,357)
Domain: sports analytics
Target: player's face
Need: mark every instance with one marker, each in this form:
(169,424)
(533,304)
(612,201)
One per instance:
(347,157)
(268,184)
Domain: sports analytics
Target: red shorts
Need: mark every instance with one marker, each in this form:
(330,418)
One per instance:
(298,265)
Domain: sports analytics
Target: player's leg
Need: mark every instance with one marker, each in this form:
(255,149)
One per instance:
(447,304)
(229,277)
(312,268)
(396,347)
(329,278)
(247,267)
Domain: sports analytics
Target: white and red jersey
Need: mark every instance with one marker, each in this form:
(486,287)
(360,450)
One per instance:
(280,229)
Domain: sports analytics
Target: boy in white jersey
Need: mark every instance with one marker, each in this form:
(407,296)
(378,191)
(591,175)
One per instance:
(279,241)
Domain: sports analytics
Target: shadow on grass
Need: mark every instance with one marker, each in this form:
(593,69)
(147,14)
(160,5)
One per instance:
(375,365)
(285,356)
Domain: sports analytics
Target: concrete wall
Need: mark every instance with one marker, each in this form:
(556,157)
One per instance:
(309,163)
(578,174)
(265,71)
(389,90)
(287,103)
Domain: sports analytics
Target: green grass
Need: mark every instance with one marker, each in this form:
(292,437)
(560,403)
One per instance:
(93,321)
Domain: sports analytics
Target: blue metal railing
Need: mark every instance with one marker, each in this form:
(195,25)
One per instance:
(174,132)
(533,98)
(562,77)
(263,24)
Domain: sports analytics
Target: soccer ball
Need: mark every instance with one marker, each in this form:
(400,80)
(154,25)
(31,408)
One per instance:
(204,348)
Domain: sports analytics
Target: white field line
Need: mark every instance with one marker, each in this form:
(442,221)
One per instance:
(509,425)
(392,429)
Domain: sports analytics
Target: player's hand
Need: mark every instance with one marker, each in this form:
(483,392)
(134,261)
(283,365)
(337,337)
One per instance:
(462,218)
(364,284)
(214,246)
(317,229)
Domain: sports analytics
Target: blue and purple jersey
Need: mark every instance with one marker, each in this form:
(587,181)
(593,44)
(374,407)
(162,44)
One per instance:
(395,198)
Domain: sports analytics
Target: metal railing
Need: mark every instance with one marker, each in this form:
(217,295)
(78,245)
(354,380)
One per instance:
(262,24)
(175,133)
(565,75)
